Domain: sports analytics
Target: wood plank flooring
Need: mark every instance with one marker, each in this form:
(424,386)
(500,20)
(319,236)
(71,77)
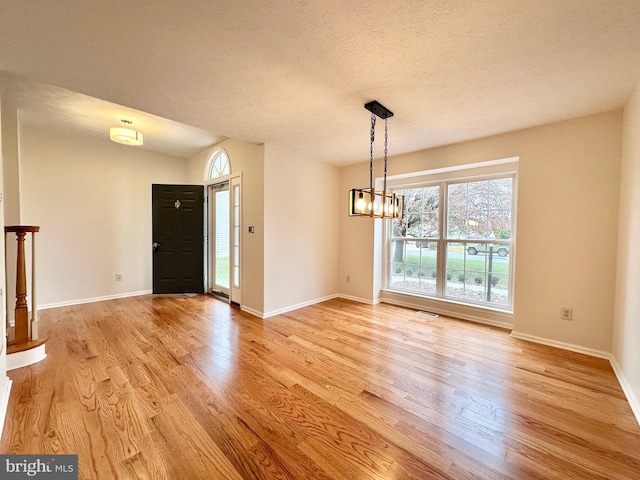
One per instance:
(178,387)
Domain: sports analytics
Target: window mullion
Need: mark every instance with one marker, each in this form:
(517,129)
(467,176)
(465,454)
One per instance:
(442,225)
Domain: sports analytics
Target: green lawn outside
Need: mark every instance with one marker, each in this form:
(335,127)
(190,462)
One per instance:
(475,267)
(222,271)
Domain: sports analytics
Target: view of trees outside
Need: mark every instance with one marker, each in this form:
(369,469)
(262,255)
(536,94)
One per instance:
(413,264)
(480,210)
(478,220)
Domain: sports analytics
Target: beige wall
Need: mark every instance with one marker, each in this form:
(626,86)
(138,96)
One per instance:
(5,383)
(566,233)
(356,240)
(301,230)
(11,163)
(626,333)
(92,200)
(247,159)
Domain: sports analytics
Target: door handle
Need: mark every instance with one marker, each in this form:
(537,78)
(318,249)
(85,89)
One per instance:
(155,246)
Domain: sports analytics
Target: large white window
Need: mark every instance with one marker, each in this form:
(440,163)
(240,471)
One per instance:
(455,240)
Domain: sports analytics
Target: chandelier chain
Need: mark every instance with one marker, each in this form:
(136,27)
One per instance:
(384,188)
(373,136)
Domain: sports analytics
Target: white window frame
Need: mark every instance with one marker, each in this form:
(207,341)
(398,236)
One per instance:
(443,177)
(212,171)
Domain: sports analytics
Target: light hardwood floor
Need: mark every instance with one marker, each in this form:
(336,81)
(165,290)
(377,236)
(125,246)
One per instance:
(177,387)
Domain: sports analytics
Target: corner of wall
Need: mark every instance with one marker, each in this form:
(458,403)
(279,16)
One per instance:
(633,400)
(626,328)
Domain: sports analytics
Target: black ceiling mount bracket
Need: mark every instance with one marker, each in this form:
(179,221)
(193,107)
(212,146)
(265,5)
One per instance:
(379,109)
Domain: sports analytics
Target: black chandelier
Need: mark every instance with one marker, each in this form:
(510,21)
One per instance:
(369,202)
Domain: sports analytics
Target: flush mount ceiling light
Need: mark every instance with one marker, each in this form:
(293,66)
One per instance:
(125,135)
(368,202)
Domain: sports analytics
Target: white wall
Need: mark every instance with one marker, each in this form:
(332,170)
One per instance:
(569,176)
(5,383)
(301,218)
(92,200)
(626,333)
(248,159)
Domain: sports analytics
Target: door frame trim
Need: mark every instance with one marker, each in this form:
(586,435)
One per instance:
(207,240)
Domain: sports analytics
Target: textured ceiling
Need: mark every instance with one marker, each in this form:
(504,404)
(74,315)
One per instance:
(297,73)
(58,109)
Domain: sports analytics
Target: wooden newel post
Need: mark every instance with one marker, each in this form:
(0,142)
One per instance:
(24,331)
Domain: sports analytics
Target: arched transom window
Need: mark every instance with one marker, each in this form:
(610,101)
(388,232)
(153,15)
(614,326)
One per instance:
(218,164)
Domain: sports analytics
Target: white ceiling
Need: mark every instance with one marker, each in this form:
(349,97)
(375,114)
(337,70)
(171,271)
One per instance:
(55,108)
(297,73)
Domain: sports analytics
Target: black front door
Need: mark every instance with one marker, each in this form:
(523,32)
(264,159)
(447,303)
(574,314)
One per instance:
(178,238)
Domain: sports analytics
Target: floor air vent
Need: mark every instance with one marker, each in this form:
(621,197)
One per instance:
(427,314)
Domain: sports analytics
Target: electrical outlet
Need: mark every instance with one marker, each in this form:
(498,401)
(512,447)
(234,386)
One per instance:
(566,314)
(118,277)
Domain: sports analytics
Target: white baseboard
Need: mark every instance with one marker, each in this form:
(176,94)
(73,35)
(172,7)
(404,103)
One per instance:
(253,312)
(562,345)
(93,299)
(299,305)
(4,402)
(273,313)
(626,388)
(26,357)
(358,299)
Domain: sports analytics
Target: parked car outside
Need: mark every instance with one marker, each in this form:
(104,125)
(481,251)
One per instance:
(501,250)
